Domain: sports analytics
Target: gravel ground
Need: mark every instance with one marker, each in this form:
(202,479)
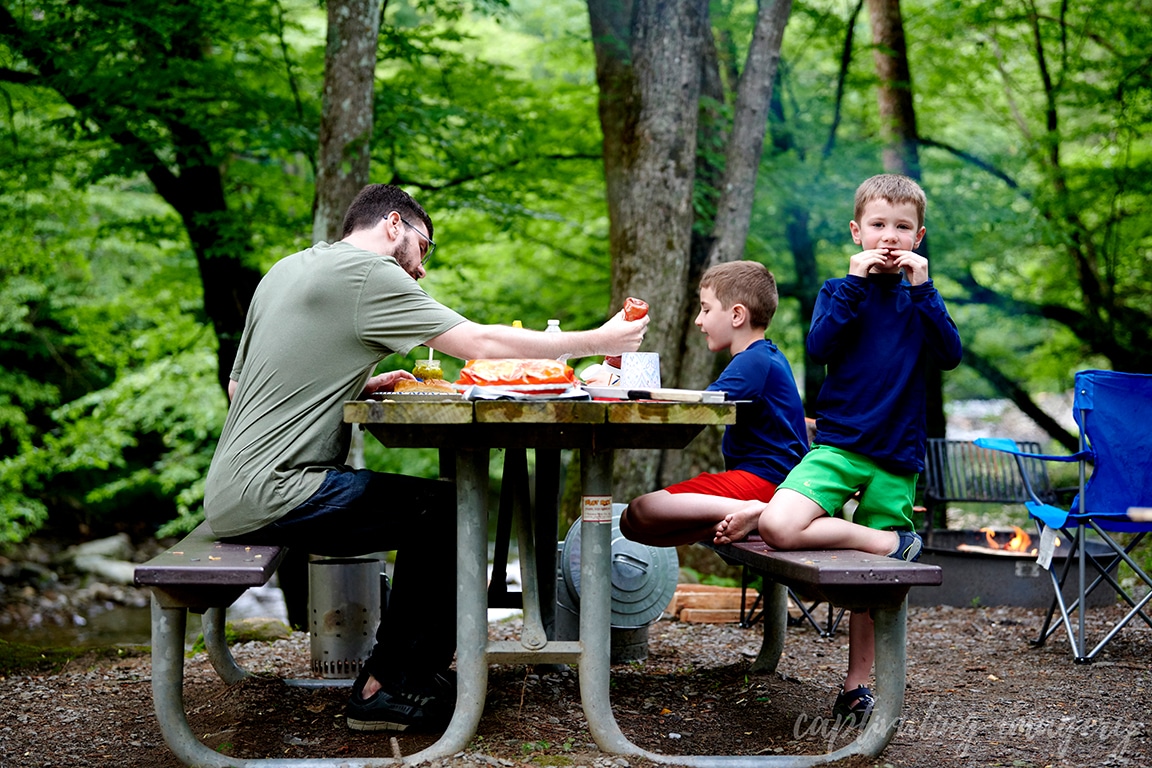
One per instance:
(977,695)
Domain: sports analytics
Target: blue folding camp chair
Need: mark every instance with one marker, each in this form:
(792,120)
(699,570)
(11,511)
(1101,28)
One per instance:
(1114,413)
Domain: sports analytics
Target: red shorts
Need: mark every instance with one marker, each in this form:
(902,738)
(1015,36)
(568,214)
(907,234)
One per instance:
(734,484)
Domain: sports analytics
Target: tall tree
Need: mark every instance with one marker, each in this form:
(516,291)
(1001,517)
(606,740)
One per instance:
(347,109)
(346,112)
(736,179)
(648,69)
(342,162)
(1066,88)
(163,126)
(901,152)
(901,143)
(733,187)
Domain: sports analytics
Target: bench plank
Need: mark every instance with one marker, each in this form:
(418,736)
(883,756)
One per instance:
(848,578)
(200,560)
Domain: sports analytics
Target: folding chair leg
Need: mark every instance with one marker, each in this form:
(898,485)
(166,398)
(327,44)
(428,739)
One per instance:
(1119,555)
(1104,567)
(833,624)
(806,614)
(749,616)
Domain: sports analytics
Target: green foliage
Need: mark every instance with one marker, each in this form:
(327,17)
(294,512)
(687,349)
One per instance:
(506,158)
(487,112)
(119,425)
(108,385)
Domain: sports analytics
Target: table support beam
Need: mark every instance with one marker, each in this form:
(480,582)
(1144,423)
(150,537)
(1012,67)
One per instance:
(472,605)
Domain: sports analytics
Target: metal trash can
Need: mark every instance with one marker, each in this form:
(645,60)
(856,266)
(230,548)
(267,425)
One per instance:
(643,583)
(344,599)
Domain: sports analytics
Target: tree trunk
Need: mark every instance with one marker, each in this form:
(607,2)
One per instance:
(220,241)
(346,127)
(894,93)
(901,155)
(342,170)
(749,124)
(647,67)
(347,108)
(736,193)
(737,187)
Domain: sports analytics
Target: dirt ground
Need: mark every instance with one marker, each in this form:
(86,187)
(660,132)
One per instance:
(977,695)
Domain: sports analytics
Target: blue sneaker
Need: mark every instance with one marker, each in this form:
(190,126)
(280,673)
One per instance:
(910,546)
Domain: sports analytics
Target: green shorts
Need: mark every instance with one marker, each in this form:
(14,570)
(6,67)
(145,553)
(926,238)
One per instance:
(830,476)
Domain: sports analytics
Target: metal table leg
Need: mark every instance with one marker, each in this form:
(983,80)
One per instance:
(472,605)
(596,603)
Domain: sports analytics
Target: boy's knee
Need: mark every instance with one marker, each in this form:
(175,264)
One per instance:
(634,526)
(626,526)
(638,513)
(776,532)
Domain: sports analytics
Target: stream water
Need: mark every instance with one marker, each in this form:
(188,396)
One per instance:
(109,624)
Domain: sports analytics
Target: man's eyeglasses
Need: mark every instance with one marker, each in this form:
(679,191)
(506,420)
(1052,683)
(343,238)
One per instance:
(431,245)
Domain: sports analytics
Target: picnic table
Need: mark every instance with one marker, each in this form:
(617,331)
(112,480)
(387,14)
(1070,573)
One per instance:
(202,574)
(468,430)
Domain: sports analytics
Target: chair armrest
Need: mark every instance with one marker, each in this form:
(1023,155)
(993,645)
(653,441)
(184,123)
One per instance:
(1037,507)
(1008,445)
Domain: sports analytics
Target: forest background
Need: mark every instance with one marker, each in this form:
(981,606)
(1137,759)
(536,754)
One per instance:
(157,158)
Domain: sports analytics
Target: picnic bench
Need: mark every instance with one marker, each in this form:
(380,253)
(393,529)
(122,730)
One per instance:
(954,471)
(848,579)
(205,576)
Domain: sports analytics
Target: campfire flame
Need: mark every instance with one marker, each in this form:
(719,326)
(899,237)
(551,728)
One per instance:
(1020,541)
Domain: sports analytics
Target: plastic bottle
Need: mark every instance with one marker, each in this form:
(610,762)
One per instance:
(554,327)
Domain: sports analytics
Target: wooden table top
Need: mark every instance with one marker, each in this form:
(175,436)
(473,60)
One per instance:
(537,423)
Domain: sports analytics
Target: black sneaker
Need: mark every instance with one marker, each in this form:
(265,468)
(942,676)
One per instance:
(909,547)
(424,706)
(854,707)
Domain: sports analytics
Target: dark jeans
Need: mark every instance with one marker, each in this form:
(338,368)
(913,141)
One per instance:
(356,512)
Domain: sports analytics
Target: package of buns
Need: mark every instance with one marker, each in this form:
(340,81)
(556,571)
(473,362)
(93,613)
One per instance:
(428,386)
(513,371)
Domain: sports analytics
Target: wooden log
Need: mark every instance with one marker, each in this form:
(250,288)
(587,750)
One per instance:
(710,616)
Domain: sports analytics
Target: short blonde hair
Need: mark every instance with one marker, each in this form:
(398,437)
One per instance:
(894,188)
(744,282)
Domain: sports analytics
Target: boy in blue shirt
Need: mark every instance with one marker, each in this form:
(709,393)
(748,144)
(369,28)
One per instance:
(877,331)
(737,302)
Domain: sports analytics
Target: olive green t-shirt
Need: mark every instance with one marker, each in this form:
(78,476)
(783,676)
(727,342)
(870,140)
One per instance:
(320,321)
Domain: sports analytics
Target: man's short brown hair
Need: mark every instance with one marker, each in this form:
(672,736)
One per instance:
(744,282)
(376,201)
(894,188)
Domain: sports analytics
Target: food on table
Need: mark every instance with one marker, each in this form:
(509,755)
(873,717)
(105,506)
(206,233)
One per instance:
(434,386)
(634,309)
(428,369)
(511,371)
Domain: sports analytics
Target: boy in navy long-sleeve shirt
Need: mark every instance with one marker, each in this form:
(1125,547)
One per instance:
(877,330)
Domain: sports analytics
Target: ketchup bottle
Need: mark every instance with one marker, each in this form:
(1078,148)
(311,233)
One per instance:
(634,309)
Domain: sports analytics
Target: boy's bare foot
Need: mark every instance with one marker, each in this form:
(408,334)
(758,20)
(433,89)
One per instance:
(737,525)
